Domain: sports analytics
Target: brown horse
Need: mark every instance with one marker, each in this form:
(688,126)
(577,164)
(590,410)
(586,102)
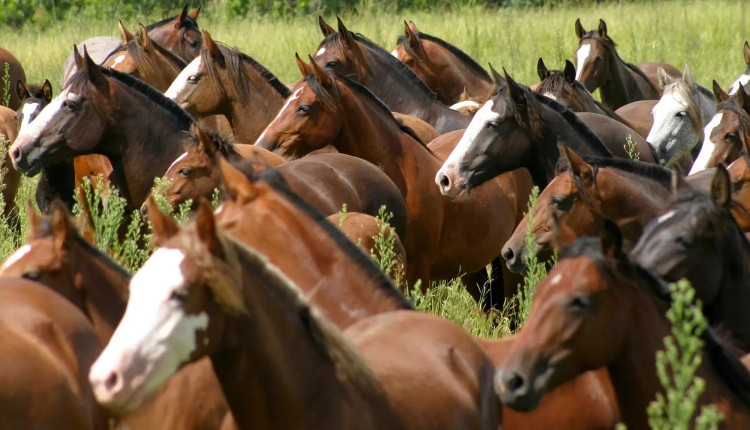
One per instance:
(58,257)
(47,348)
(448,71)
(110,113)
(11,179)
(739,174)
(15,74)
(596,292)
(280,362)
(725,134)
(146,60)
(698,232)
(333,109)
(391,80)
(638,115)
(599,66)
(584,193)
(225,81)
(363,229)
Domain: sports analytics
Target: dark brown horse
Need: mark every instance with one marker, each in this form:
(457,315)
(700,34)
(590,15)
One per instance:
(47,347)
(697,238)
(391,80)
(599,66)
(333,109)
(739,174)
(596,292)
(584,193)
(225,81)
(280,362)
(448,71)
(15,74)
(110,113)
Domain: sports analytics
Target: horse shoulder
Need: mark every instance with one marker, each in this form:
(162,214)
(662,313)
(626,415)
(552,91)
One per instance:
(614,135)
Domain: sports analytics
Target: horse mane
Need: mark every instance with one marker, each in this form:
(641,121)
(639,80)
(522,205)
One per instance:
(275,181)
(680,88)
(556,83)
(724,361)
(79,83)
(237,74)
(731,105)
(143,60)
(189,22)
(609,43)
(654,172)
(401,68)
(461,55)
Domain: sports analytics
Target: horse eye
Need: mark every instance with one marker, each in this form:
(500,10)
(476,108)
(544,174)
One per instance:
(184,172)
(193,79)
(332,64)
(33,275)
(562,203)
(493,124)
(193,43)
(683,241)
(303,109)
(580,303)
(730,135)
(681,113)
(179,295)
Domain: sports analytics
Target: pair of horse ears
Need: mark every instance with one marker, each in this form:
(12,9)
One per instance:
(60,224)
(327,30)
(143,38)
(181,20)
(580,32)
(415,43)
(23,92)
(505,81)
(165,227)
(94,71)
(569,72)
(212,48)
(313,68)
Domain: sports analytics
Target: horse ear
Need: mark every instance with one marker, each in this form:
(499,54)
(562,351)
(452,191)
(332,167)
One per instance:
(236,183)
(326,29)
(515,91)
(662,77)
(206,226)
(206,142)
(183,14)
(719,94)
(578,168)
(77,58)
(163,226)
(60,224)
(541,70)
(579,28)
(610,240)
(746,52)
(125,35)
(569,72)
(602,28)
(687,78)
(35,221)
(21,91)
(413,27)
(304,68)
(497,78)
(346,36)
(414,42)
(721,187)
(743,98)
(212,48)
(195,12)
(143,38)
(320,74)
(47,91)
(94,72)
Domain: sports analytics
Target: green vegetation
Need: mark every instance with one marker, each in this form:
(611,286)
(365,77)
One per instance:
(536,270)
(383,252)
(6,86)
(630,149)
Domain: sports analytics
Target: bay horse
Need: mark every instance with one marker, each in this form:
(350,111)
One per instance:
(697,232)
(58,257)
(447,70)
(562,87)
(679,117)
(47,347)
(11,179)
(280,362)
(390,80)
(113,114)
(599,66)
(584,193)
(744,78)
(363,229)
(329,108)
(725,133)
(178,34)
(225,81)
(596,292)
(15,74)
(145,59)
(739,174)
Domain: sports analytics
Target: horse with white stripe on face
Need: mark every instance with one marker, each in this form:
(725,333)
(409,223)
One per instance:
(679,117)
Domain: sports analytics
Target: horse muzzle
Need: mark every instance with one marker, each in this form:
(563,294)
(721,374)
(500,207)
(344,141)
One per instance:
(25,157)
(451,184)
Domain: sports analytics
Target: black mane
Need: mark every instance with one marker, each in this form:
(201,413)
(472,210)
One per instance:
(651,171)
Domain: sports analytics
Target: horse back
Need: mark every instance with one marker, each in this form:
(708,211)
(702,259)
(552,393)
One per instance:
(614,135)
(15,74)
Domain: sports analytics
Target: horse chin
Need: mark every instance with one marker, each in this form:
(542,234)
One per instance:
(30,164)
(526,400)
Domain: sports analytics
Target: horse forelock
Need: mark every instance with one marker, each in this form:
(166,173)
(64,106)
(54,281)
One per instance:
(556,84)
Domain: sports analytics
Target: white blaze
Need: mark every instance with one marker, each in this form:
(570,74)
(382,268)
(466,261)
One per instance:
(13,258)
(464,104)
(181,81)
(320,52)
(584,51)
(289,101)
(27,110)
(35,128)
(742,80)
(117,61)
(707,149)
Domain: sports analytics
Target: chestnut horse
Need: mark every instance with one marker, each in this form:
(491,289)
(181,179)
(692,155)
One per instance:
(15,74)
(333,109)
(226,81)
(739,174)
(452,74)
(392,81)
(11,179)
(697,232)
(146,60)
(47,347)
(584,193)
(599,66)
(596,292)
(110,113)
(726,132)
(280,362)
(178,34)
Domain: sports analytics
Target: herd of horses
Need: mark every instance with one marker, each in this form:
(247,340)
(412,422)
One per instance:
(268,312)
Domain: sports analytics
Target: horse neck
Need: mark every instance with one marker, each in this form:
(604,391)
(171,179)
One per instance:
(59,179)
(309,256)
(142,143)
(103,289)
(544,149)
(402,95)
(374,136)
(706,103)
(280,380)
(621,87)
(250,117)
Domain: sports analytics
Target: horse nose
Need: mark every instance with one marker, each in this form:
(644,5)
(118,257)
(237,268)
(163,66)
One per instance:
(448,180)
(509,255)
(109,387)
(144,211)
(15,155)
(514,383)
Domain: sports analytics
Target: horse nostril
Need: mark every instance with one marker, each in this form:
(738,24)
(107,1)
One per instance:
(445,181)
(514,382)
(144,211)
(15,154)
(509,255)
(112,381)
